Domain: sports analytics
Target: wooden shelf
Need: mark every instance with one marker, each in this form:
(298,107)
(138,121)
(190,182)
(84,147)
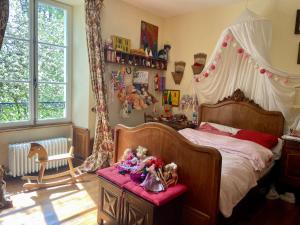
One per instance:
(123,58)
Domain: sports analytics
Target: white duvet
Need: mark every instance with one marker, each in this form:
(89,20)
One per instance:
(241,162)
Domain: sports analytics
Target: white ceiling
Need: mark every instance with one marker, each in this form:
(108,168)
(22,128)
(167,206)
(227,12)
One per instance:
(169,8)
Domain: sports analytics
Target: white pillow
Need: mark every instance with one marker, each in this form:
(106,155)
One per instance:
(222,127)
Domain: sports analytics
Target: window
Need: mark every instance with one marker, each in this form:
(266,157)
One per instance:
(35,64)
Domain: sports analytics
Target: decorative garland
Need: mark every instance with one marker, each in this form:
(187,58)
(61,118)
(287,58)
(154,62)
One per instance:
(229,39)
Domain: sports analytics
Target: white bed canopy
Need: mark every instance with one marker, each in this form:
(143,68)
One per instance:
(241,59)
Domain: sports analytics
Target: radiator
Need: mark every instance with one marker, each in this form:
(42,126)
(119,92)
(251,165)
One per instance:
(19,164)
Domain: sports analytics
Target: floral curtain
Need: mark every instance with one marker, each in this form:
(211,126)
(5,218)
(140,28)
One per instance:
(103,144)
(4,12)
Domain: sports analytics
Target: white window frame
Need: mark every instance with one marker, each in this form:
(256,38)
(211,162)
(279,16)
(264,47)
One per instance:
(33,68)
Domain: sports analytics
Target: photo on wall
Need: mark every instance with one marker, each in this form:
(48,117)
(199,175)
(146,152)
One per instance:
(171,97)
(149,37)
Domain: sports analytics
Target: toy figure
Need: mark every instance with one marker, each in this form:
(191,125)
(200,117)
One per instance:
(148,63)
(129,162)
(156,82)
(152,181)
(108,43)
(128,154)
(148,52)
(125,110)
(170,174)
(139,174)
(164,53)
(141,152)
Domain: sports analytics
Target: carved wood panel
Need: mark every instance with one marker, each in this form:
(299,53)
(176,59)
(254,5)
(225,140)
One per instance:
(137,211)
(81,142)
(110,201)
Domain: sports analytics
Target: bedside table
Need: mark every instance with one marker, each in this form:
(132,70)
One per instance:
(290,161)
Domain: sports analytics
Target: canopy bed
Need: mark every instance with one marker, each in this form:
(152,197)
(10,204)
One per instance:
(199,166)
(241,59)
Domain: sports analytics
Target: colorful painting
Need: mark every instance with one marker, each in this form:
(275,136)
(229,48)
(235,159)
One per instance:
(171,97)
(149,37)
(121,44)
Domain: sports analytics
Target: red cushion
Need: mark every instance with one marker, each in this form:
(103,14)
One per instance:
(206,127)
(112,174)
(266,140)
(158,199)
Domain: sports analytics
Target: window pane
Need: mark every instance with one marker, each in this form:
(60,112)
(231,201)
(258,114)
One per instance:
(51,24)
(51,63)
(14,102)
(51,101)
(14,60)
(18,22)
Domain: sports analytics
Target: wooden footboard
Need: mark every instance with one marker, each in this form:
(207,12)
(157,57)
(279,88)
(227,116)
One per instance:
(199,167)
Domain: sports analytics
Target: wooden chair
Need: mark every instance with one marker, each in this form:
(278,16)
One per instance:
(43,159)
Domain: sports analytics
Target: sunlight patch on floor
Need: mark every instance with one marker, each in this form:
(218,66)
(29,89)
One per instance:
(69,204)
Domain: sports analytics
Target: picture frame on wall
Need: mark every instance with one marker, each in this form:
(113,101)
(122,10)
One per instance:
(171,97)
(297,26)
(149,37)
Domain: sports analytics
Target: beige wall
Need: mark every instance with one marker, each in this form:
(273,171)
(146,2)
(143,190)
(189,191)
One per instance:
(118,19)
(199,31)
(80,75)
(124,20)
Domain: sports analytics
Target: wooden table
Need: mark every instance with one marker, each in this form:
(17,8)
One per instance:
(290,162)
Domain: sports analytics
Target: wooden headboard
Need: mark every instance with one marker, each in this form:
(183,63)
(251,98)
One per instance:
(240,112)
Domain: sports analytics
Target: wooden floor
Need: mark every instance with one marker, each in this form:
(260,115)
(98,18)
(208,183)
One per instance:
(76,205)
(68,204)
(260,211)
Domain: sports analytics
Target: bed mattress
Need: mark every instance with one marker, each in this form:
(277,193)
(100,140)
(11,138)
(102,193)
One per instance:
(243,164)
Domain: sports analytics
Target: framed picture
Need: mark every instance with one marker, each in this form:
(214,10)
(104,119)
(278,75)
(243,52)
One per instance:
(149,37)
(298,54)
(121,44)
(297,26)
(171,97)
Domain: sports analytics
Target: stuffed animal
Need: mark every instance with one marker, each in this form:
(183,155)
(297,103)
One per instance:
(135,99)
(5,201)
(122,95)
(141,152)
